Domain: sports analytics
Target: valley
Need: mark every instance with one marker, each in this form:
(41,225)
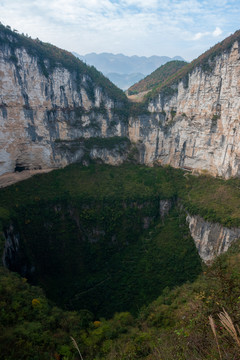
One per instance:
(124,223)
(119,219)
(122,70)
(107,242)
(69,112)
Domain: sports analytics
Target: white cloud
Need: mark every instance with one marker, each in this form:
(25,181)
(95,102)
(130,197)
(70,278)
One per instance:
(142,27)
(143,4)
(199,35)
(217,32)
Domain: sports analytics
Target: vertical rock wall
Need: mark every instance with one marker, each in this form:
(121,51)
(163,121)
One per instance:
(39,113)
(211,239)
(197,126)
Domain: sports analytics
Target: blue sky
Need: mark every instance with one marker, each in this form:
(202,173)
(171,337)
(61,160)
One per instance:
(131,27)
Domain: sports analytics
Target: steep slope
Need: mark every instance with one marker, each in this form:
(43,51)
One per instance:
(156,78)
(49,103)
(195,115)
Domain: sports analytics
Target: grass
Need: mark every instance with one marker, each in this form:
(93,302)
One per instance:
(214,199)
(227,322)
(213,327)
(76,347)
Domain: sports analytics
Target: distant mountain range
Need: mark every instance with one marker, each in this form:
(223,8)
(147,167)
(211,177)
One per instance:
(124,81)
(123,70)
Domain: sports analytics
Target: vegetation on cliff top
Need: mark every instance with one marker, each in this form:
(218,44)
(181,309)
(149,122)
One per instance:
(205,61)
(157,77)
(49,57)
(157,80)
(55,57)
(216,200)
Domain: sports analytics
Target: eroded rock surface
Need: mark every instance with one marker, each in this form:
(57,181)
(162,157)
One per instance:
(211,239)
(197,126)
(44,119)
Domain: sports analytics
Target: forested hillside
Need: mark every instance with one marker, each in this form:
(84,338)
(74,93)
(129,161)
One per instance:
(157,77)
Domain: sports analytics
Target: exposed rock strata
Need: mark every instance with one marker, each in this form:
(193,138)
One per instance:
(211,239)
(197,127)
(164,207)
(38,111)
(45,119)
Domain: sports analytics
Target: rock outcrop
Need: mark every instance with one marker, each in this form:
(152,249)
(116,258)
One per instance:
(211,239)
(47,111)
(196,124)
(10,256)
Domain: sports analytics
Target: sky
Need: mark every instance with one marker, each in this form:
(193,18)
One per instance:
(131,27)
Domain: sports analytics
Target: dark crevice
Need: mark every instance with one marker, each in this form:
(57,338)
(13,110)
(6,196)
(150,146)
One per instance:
(20,167)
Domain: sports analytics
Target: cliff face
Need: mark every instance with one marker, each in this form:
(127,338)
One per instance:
(211,239)
(47,113)
(43,110)
(197,126)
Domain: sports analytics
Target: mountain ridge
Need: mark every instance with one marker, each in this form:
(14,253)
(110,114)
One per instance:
(110,62)
(156,78)
(49,107)
(205,61)
(122,64)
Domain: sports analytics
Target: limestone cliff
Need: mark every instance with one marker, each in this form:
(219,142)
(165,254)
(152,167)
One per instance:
(50,103)
(194,122)
(211,239)
(49,99)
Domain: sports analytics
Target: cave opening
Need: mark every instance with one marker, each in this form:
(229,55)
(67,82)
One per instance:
(20,167)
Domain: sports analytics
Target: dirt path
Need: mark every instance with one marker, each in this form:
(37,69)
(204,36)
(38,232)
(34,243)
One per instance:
(137,97)
(11,178)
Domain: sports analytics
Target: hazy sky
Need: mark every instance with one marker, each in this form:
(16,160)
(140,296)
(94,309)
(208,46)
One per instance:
(131,27)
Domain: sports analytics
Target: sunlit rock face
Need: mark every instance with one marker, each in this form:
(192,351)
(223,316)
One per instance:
(211,239)
(44,119)
(197,126)
(41,115)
